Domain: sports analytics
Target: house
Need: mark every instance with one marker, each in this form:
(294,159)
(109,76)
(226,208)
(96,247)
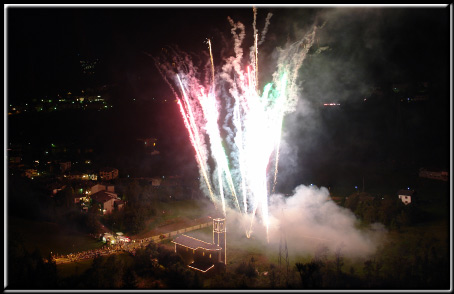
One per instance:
(105,201)
(200,255)
(156,182)
(99,187)
(108,173)
(78,198)
(31,173)
(15,159)
(119,204)
(405,195)
(84,176)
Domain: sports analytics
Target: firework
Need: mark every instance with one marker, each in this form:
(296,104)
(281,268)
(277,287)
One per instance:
(229,121)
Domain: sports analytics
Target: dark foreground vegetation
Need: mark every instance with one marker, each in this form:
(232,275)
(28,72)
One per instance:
(415,255)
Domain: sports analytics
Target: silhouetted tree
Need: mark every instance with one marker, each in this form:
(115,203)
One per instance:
(309,274)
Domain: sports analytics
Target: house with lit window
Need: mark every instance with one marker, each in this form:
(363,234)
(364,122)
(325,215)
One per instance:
(203,256)
(31,173)
(405,195)
(108,173)
(105,201)
(99,187)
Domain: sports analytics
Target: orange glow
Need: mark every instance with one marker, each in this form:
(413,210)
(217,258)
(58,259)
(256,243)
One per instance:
(202,270)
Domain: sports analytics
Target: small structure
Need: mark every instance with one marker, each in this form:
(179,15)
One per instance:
(105,200)
(405,195)
(119,204)
(200,255)
(99,187)
(31,173)
(108,173)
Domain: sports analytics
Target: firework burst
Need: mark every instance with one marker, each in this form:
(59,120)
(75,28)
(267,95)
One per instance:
(233,122)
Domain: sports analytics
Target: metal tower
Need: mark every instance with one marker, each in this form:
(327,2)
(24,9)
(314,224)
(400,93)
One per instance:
(283,252)
(219,237)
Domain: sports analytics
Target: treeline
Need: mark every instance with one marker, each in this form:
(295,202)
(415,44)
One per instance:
(423,267)
(392,267)
(388,210)
(142,201)
(31,200)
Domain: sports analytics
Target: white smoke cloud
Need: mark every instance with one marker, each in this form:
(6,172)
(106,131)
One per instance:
(308,219)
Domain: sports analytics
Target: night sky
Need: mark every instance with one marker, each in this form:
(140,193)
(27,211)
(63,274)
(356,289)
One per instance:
(44,42)
(366,47)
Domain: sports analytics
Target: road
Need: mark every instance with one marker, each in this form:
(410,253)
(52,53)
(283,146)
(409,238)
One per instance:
(162,234)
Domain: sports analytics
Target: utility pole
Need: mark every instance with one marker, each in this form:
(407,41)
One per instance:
(283,252)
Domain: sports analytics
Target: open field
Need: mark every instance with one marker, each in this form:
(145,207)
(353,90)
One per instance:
(50,237)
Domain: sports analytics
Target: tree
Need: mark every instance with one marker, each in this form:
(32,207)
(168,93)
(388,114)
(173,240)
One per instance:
(339,260)
(130,279)
(309,274)
(368,270)
(272,275)
(65,197)
(321,253)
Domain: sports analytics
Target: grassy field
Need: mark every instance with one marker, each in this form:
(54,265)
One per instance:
(170,212)
(77,268)
(50,237)
(65,270)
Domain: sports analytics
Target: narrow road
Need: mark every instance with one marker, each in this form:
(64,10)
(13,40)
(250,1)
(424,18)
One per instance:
(161,234)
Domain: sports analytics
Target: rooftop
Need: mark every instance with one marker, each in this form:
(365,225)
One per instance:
(406,192)
(194,243)
(103,196)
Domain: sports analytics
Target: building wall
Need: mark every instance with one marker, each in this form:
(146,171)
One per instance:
(108,206)
(206,256)
(405,199)
(97,188)
(109,175)
(186,253)
(197,255)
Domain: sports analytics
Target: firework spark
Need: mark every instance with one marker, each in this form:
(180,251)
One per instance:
(231,103)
